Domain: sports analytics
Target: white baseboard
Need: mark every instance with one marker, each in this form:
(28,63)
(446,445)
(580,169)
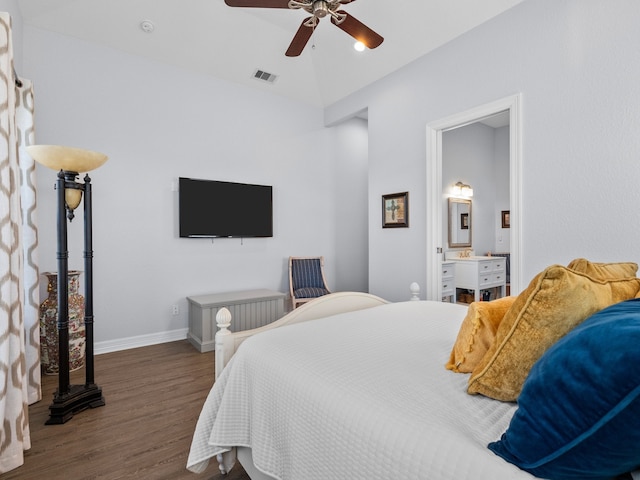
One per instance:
(139,341)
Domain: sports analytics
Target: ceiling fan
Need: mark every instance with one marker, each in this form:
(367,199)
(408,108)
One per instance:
(318,9)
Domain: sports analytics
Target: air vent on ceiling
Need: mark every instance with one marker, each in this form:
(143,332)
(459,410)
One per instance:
(265,76)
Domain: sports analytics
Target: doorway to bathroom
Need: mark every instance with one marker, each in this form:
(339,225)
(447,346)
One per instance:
(509,110)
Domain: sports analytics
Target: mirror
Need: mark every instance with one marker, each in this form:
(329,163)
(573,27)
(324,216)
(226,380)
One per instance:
(459,222)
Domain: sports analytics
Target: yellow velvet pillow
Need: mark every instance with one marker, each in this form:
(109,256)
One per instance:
(604,271)
(477,333)
(555,301)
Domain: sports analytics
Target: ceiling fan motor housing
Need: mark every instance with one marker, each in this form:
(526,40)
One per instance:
(320,8)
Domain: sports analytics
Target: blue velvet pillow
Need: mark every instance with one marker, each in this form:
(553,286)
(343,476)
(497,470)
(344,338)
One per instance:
(578,414)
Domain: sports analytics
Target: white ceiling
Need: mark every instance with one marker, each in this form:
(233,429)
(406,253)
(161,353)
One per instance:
(209,37)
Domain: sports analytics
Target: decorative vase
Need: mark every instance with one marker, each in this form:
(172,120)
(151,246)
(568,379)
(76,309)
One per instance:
(49,325)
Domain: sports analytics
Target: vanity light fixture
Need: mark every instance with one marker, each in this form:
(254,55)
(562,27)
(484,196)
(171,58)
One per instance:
(462,190)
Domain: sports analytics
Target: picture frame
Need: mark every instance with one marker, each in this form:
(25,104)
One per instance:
(395,210)
(506,219)
(464,221)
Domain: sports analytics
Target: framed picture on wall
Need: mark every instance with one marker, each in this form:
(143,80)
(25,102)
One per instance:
(395,210)
(506,221)
(464,221)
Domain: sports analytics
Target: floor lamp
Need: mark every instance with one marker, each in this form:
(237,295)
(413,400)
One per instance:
(68,161)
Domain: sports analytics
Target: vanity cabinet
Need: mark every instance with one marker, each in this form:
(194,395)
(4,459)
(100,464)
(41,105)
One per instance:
(449,281)
(481,273)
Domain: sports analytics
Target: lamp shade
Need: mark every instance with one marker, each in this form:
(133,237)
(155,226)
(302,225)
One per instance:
(72,197)
(69,159)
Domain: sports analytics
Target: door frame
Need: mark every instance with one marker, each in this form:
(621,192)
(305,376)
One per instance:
(434,237)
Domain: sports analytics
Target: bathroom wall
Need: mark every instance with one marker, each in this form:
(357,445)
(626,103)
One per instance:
(478,155)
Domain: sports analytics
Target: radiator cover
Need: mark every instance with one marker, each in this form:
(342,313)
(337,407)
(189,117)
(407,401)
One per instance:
(249,309)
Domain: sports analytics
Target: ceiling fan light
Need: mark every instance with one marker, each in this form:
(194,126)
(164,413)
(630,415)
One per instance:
(359,46)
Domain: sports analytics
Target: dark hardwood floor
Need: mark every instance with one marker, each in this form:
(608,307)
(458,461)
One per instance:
(153,399)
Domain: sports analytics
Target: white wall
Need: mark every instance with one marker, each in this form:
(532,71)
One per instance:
(502,240)
(576,64)
(157,123)
(351,140)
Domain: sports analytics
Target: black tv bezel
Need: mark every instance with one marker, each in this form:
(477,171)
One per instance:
(212,235)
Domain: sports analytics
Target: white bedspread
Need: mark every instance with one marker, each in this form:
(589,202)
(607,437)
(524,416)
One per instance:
(362,395)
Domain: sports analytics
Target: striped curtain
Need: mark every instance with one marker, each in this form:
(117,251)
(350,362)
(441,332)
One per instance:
(19,292)
(31,274)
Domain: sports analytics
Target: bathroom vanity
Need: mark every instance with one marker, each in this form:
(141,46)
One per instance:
(479,273)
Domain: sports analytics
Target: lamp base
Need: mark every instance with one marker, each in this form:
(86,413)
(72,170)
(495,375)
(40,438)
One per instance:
(79,397)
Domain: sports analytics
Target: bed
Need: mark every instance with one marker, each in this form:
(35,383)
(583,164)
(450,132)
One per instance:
(379,420)
(354,387)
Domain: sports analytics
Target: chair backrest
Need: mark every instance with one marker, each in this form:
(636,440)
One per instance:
(307,272)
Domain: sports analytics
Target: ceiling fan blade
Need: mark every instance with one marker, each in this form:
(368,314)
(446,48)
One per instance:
(258,3)
(300,40)
(358,30)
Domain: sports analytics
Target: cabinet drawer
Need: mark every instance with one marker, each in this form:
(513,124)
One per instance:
(499,277)
(448,279)
(484,267)
(489,279)
(498,266)
(485,280)
(448,288)
(448,271)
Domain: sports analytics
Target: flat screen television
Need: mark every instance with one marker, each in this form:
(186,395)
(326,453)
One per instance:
(211,208)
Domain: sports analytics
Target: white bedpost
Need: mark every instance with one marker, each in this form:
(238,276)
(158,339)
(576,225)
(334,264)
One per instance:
(223,339)
(415,292)
(224,351)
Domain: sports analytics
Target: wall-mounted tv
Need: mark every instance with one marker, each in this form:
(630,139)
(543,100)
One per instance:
(211,208)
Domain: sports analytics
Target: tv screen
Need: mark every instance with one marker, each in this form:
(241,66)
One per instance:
(211,208)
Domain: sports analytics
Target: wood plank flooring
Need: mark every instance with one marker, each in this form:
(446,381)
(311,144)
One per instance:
(153,399)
